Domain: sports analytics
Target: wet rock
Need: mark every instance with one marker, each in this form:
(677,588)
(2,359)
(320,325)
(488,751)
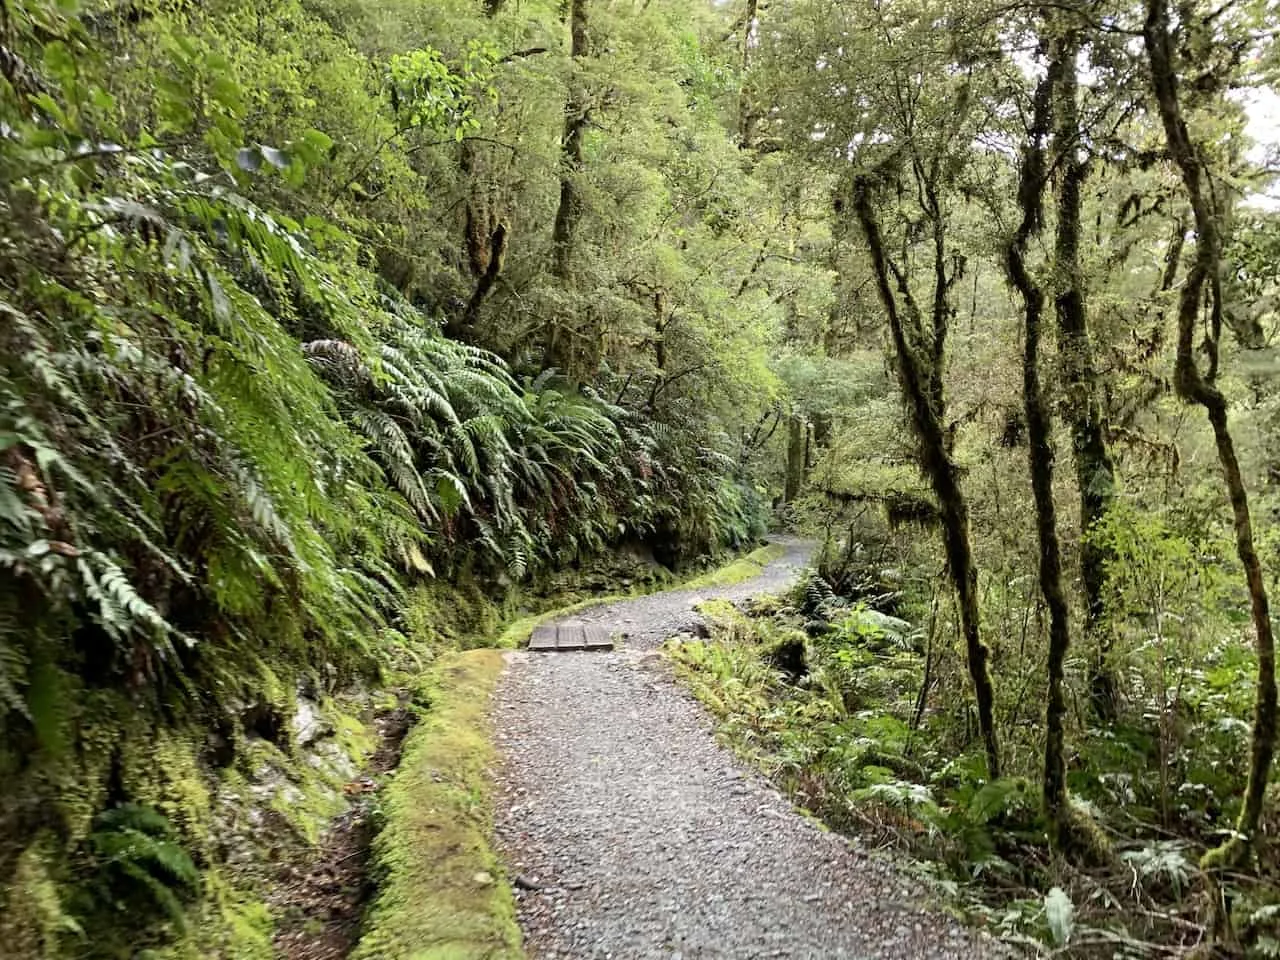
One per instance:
(220,749)
(264,720)
(817,627)
(308,724)
(789,655)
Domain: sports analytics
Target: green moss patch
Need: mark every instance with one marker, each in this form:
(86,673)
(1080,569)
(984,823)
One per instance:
(442,894)
(744,568)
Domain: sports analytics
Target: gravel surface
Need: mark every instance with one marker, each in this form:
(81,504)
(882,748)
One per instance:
(629,832)
(647,621)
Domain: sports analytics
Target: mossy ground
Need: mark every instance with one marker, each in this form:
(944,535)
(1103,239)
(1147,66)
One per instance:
(744,568)
(442,892)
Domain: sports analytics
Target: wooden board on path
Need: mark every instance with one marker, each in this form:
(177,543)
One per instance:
(553,637)
(597,637)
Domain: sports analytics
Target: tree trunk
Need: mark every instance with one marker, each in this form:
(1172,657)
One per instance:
(1031,186)
(477,228)
(941,471)
(560,346)
(1095,471)
(497,252)
(746,112)
(796,432)
(485,237)
(485,241)
(1201,389)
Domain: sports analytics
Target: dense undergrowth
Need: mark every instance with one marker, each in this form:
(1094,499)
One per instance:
(842,704)
(240,466)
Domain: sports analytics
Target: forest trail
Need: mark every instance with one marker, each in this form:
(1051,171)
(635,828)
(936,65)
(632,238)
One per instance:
(630,833)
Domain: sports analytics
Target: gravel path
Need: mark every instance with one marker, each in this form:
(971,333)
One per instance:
(632,834)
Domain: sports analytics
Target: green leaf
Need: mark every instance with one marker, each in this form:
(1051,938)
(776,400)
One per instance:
(102,99)
(59,60)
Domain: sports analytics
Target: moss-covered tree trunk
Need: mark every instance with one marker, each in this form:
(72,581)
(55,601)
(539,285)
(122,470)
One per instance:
(576,116)
(746,109)
(917,389)
(1095,471)
(561,335)
(1198,388)
(1031,186)
(796,431)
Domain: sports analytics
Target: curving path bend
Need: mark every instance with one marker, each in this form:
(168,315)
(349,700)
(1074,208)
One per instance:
(630,833)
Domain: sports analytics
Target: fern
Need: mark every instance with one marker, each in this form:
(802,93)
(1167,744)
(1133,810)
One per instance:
(139,863)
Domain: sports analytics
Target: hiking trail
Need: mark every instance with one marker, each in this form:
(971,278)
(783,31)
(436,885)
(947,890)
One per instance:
(629,832)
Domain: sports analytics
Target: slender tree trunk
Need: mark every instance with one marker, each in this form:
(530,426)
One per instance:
(795,458)
(1194,387)
(569,209)
(485,238)
(932,340)
(1031,187)
(1095,471)
(560,342)
(942,474)
(476,229)
(497,252)
(942,311)
(746,110)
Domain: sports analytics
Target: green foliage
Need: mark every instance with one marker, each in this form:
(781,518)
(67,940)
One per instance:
(239,454)
(851,742)
(1059,915)
(1163,864)
(278,285)
(425,92)
(137,870)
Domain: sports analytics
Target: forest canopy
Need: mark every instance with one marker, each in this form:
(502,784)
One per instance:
(330,328)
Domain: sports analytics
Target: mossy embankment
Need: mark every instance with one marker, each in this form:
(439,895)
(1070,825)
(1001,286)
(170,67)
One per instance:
(442,894)
(740,570)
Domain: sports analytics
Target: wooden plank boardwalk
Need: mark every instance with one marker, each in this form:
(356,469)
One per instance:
(571,635)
